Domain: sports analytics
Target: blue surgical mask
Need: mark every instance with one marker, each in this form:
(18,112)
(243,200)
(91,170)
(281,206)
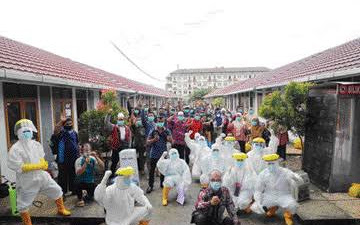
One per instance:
(120,122)
(136,111)
(239,164)
(127,181)
(138,123)
(251,112)
(197,117)
(238,119)
(181,118)
(160,124)
(216,154)
(27,135)
(257,147)
(215,185)
(173,156)
(272,168)
(254,123)
(151,118)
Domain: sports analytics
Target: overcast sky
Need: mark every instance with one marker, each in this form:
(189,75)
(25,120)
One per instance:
(159,35)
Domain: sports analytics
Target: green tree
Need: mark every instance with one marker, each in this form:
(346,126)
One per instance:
(91,123)
(288,107)
(218,102)
(199,94)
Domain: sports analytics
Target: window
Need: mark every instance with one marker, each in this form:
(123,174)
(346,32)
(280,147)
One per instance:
(81,103)
(62,103)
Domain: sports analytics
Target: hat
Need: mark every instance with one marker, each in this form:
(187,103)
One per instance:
(230,138)
(127,171)
(24,123)
(258,140)
(239,156)
(270,157)
(180,113)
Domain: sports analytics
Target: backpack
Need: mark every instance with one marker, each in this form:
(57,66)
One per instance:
(218,120)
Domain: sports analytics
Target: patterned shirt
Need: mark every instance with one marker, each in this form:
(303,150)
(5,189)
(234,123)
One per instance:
(203,203)
(159,147)
(178,131)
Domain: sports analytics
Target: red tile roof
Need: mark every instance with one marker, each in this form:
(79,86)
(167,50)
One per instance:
(21,57)
(341,58)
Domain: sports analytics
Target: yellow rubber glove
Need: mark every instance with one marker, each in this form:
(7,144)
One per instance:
(42,165)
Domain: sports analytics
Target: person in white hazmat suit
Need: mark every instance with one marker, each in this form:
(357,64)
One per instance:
(273,189)
(228,149)
(199,150)
(26,158)
(240,179)
(119,199)
(177,175)
(258,150)
(273,144)
(214,161)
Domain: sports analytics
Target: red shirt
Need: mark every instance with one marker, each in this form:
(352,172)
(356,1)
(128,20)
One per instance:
(195,126)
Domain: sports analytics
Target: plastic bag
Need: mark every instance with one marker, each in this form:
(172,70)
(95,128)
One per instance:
(354,190)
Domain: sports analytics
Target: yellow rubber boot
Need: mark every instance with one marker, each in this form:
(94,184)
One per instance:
(288,218)
(25,217)
(144,222)
(165,194)
(61,208)
(272,211)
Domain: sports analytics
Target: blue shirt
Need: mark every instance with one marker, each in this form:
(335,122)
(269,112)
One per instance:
(159,147)
(88,175)
(149,126)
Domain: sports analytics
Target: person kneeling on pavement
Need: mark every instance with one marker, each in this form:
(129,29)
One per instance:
(119,200)
(273,189)
(212,202)
(85,167)
(177,174)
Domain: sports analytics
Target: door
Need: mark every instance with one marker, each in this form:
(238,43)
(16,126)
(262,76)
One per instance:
(16,109)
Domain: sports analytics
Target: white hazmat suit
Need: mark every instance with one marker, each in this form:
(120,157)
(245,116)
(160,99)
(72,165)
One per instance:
(273,190)
(212,162)
(199,150)
(26,158)
(177,174)
(255,160)
(119,200)
(240,179)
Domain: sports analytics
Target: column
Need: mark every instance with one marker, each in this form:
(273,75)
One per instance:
(96,98)
(256,103)
(4,170)
(74,110)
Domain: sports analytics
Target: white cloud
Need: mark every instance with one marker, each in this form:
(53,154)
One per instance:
(158,35)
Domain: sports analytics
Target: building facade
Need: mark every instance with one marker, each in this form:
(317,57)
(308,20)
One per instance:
(42,86)
(183,82)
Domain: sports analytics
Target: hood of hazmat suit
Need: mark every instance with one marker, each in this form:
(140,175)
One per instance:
(255,160)
(214,161)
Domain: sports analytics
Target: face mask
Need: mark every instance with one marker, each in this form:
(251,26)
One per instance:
(160,124)
(146,109)
(254,123)
(238,119)
(203,144)
(215,185)
(27,135)
(127,181)
(216,154)
(151,118)
(240,111)
(181,118)
(173,157)
(251,112)
(197,117)
(186,110)
(239,164)
(138,123)
(136,111)
(120,122)
(257,147)
(272,168)
(67,127)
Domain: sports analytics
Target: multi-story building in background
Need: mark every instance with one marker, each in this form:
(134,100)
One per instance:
(183,82)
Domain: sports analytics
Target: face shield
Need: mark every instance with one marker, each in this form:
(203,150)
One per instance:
(174,155)
(25,124)
(258,146)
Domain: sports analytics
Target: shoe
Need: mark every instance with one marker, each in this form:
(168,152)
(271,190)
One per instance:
(80,203)
(61,208)
(288,218)
(25,216)
(144,222)
(165,194)
(149,190)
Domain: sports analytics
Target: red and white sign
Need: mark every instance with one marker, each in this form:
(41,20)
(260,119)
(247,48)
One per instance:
(349,89)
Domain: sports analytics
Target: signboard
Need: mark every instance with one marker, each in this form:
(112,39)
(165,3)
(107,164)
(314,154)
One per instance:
(349,89)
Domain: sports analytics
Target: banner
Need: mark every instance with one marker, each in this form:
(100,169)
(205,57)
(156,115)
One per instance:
(349,89)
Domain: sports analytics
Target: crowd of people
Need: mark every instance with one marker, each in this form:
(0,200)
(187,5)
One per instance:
(235,155)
